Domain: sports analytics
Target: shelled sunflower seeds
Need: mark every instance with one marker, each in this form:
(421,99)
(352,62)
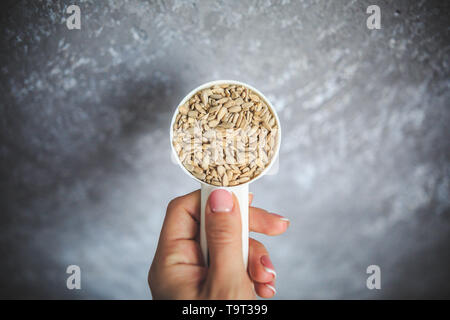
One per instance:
(225,135)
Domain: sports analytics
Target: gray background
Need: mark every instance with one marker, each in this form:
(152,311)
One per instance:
(364,165)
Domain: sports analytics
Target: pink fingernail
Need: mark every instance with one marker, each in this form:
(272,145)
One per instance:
(280,216)
(271,288)
(268,266)
(221,200)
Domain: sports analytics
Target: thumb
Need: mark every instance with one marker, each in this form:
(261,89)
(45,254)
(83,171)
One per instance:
(224,236)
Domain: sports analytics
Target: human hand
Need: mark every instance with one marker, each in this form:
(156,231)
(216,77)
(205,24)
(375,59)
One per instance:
(178,270)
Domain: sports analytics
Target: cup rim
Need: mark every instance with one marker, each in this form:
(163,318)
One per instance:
(219,82)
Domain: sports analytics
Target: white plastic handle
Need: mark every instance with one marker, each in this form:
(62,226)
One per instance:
(241,193)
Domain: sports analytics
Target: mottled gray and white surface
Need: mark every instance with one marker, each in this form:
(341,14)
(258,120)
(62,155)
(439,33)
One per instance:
(85,170)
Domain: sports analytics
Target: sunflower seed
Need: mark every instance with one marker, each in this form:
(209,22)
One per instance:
(213,123)
(222,112)
(184,109)
(223,100)
(235,109)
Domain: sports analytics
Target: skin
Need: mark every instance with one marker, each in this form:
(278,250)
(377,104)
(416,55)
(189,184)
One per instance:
(178,271)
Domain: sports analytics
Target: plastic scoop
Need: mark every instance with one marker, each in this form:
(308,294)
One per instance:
(241,191)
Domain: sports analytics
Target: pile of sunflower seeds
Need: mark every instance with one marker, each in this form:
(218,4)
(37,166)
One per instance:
(225,135)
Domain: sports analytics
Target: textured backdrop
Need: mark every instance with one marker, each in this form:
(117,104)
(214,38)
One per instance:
(85,170)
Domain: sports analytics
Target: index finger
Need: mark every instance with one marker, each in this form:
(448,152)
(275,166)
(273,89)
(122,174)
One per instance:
(182,217)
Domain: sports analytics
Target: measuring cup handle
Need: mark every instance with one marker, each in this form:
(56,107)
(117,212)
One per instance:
(241,193)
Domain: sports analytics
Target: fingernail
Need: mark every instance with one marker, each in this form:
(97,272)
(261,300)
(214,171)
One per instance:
(221,200)
(281,217)
(268,266)
(271,288)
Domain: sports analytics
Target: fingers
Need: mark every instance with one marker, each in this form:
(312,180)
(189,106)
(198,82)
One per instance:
(265,290)
(223,234)
(176,242)
(182,216)
(270,224)
(260,267)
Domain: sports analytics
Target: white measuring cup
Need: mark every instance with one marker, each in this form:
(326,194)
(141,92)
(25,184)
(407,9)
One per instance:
(240,191)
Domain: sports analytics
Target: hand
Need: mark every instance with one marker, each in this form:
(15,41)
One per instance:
(178,270)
